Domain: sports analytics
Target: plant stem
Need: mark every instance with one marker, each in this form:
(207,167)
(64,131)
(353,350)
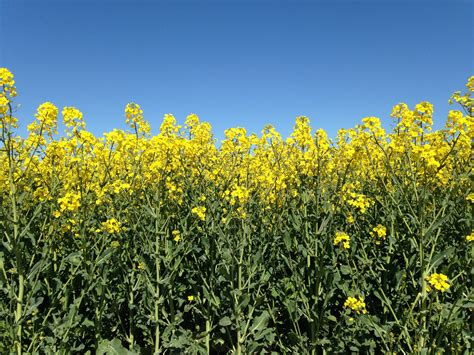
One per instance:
(157,290)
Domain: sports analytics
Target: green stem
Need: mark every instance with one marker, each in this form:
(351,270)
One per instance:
(238,311)
(19,311)
(131,339)
(18,255)
(208,335)
(157,290)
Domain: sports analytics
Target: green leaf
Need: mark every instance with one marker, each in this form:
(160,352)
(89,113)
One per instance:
(224,322)
(260,322)
(110,347)
(438,258)
(345,270)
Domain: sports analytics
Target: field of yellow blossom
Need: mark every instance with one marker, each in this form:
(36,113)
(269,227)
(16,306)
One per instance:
(257,244)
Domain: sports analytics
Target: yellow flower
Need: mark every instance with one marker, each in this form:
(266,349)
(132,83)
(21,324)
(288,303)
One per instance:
(6,77)
(134,118)
(176,235)
(47,115)
(70,202)
(379,233)
(470,237)
(141,265)
(356,304)
(240,194)
(190,298)
(439,281)
(7,82)
(343,238)
(111,226)
(72,117)
(200,211)
(470,84)
(3,101)
(424,110)
(360,201)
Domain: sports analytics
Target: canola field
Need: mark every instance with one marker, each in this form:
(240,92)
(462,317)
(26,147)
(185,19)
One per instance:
(130,243)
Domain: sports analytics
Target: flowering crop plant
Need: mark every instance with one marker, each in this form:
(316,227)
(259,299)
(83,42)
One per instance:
(136,243)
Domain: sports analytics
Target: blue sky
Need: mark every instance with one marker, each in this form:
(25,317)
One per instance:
(237,63)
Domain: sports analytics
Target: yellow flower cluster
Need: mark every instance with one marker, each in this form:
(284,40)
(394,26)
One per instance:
(439,281)
(262,168)
(200,211)
(72,118)
(7,92)
(4,104)
(47,116)
(239,194)
(70,202)
(342,238)
(379,233)
(359,201)
(176,235)
(356,304)
(111,226)
(134,118)
(470,237)
(7,83)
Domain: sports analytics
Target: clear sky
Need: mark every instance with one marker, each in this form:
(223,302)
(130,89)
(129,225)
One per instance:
(237,63)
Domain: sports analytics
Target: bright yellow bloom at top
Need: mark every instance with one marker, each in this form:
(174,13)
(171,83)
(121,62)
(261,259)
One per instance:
(343,238)
(134,118)
(47,114)
(6,77)
(168,126)
(72,118)
(356,304)
(7,82)
(439,281)
(470,84)
(425,110)
(190,298)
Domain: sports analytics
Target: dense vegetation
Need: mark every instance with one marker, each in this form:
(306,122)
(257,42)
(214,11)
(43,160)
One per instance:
(173,243)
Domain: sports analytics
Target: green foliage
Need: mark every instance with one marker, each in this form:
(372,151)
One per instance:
(270,282)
